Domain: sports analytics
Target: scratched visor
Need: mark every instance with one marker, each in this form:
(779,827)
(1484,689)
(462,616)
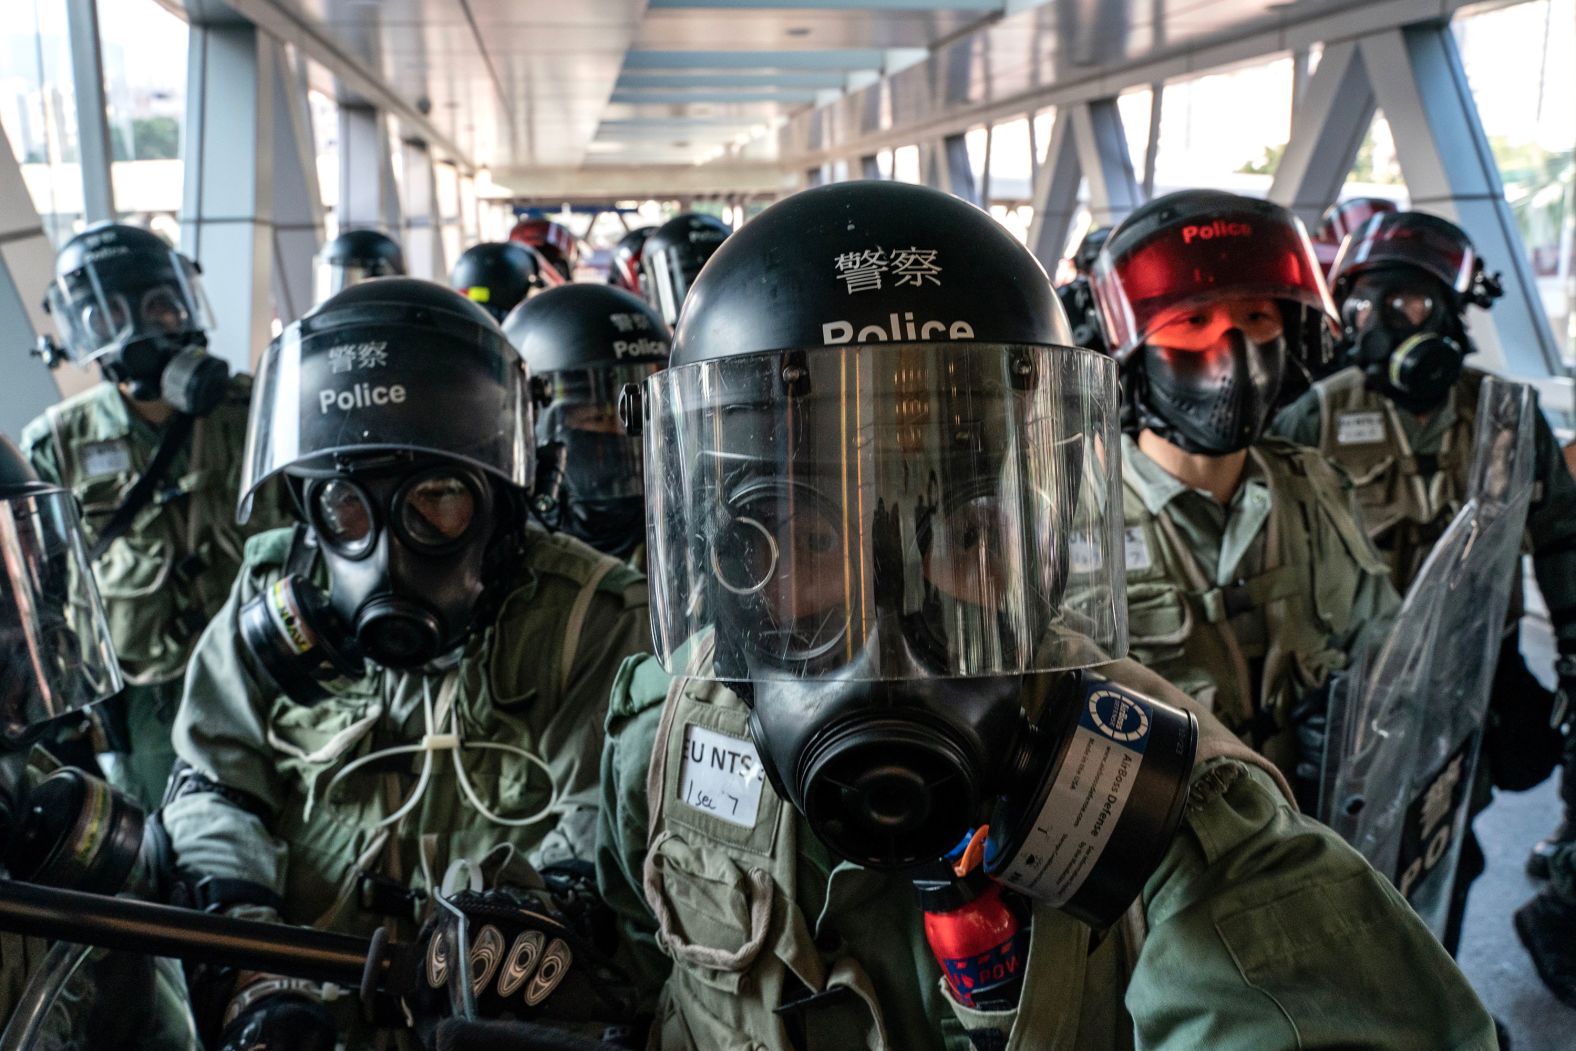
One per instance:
(887,511)
(341,384)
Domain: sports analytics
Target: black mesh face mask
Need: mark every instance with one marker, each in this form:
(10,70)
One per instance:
(1208,383)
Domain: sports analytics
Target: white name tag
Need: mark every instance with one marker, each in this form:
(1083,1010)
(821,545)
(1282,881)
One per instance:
(1084,553)
(721,776)
(111,457)
(1359,428)
(1137,548)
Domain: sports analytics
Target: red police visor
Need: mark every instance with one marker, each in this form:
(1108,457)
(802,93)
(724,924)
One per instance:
(1409,239)
(1203,261)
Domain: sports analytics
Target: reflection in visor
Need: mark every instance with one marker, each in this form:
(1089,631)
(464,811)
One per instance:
(437,510)
(55,650)
(894,512)
(601,460)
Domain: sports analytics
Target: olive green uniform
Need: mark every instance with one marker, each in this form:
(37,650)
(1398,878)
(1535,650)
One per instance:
(1247,606)
(169,573)
(537,678)
(1411,478)
(1260,929)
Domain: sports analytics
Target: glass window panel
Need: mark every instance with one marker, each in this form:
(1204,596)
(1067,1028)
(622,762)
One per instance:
(1198,147)
(38,110)
(905,164)
(144,49)
(1011,162)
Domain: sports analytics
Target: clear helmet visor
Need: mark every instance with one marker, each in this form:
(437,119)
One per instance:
(601,459)
(331,278)
(361,389)
(55,650)
(111,302)
(891,512)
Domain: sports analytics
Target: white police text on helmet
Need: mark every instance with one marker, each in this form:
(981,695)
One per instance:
(360,396)
(898,329)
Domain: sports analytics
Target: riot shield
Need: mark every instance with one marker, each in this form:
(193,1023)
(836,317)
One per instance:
(85,999)
(1406,719)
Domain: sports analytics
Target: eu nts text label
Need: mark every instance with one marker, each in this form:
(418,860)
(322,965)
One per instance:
(721,775)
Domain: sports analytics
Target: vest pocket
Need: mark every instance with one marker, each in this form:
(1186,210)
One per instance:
(1158,616)
(712,915)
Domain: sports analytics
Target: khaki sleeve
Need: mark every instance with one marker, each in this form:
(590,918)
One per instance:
(1299,421)
(220,730)
(622,831)
(571,740)
(1267,931)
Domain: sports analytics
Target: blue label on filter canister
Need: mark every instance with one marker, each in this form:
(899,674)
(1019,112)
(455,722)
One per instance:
(1117,716)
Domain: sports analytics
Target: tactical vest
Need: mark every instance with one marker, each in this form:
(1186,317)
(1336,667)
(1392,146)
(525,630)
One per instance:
(1406,500)
(345,874)
(165,578)
(1180,622)
(756,930)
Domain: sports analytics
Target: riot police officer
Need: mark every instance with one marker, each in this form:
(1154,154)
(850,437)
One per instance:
(672,257)
(154,455)
(884,561)
(62,826)
(496,275)
(411,676)
(1076,295)
(624,269)
(553,242)
(1400,418)
(583,344)
(1249,579)
(355,256)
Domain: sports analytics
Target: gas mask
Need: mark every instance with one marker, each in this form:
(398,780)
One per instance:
(1215,399)
(1406,337)
(405,555)
(176,368)
(613,525)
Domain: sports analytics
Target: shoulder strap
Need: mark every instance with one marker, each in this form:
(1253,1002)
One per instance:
(577,619)
(170,443)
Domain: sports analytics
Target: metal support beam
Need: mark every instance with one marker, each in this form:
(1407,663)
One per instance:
(1087,143)
(1102,152)
(227,221)
(87,78)
(27,261)
(1329,120)
(423,235)
(954,156)
(367,194)
(298,198)
(1055,192)
(1421,87)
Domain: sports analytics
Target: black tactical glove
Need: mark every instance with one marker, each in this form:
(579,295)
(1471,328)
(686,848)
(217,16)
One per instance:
(282,1022)
(1310,724)
(1520,743)
(531,954)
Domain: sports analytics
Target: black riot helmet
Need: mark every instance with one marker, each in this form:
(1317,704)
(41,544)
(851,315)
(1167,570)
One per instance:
(884,506)
(55,649)
(1088,249)
(1209,301)
(672,257)
(1403,281)
(399,414)
(496,274)
(582,345)
(353,257)
(624,269)
(125,299)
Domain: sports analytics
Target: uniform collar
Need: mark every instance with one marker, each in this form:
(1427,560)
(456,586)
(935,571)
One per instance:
(1157,487)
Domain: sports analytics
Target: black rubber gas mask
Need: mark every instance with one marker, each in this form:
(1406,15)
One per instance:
(404,551)
(1404,333)
(167,359)
(1207,382)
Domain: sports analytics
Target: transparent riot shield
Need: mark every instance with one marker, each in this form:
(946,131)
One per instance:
(1406,719)
(86,999)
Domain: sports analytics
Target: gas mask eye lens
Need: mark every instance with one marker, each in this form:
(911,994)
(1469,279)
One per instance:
(343,516)
(1409,308)
(437,510)
(162,309)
